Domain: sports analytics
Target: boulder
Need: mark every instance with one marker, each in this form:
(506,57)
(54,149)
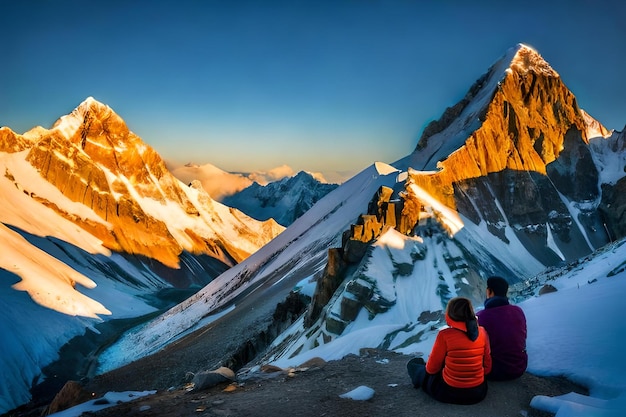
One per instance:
(70,395)
(546,289)
(207,379)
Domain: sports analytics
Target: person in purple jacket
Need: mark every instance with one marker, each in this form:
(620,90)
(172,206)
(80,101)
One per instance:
(506,326)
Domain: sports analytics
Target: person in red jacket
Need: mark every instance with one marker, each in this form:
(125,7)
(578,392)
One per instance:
(506,325)
(460,359)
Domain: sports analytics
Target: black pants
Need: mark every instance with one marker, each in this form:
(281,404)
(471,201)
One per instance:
(436,387)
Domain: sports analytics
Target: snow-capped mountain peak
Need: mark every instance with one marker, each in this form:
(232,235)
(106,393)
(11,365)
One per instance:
(92,157)
(526,59)
(70,124)
(516,72)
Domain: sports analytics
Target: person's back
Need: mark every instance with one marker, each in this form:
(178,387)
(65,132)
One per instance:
(458,356)
(506,326)
(459,360)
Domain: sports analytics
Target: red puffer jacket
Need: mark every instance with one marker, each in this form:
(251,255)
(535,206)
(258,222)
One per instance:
(465,362)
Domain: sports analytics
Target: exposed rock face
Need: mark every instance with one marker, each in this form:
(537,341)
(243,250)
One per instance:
(93,158)
(380,216)
(523,128)
(11,142)
(99,143)
(403,214)
(613,207)
(327,284)
(612,153)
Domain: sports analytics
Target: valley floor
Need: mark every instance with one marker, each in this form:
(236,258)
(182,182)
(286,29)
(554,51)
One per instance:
(315,392)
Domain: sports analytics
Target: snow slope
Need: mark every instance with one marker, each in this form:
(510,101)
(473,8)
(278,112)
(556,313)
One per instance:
(303,246)
(55,280)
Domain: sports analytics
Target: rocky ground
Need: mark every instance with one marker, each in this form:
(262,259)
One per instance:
(315,389)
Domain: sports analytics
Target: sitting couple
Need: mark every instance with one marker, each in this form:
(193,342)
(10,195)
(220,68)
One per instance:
(473,349)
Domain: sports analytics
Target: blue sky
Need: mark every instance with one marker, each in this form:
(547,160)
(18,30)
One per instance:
(318,85)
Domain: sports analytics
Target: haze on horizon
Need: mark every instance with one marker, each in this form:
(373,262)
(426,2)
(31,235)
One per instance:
(318,86)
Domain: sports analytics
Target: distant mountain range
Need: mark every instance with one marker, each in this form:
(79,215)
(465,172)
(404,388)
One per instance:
(512,180)
(283,201)
(260,195)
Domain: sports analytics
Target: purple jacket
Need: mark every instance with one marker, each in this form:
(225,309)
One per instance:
(506,326)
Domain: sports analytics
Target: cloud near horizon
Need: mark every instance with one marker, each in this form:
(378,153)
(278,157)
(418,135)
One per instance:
(220,184)
(274,174)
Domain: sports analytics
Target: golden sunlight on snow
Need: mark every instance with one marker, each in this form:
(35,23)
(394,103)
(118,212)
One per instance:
(449,217)
(48,281)
(396,240)
(384,169)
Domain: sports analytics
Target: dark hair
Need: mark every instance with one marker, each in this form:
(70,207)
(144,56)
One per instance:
(460,309)
(498,285)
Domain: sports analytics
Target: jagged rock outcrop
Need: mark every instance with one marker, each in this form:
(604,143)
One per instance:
(327,284)
(384,212)
(285,314)
(11,142)
(355,243)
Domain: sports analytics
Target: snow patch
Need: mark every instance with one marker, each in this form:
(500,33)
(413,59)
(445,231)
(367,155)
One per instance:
(108,400)
(360,393)
(527,59)
(450,217)
(384,169)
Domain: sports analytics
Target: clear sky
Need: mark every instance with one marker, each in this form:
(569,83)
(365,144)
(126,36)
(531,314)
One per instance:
(317,85)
